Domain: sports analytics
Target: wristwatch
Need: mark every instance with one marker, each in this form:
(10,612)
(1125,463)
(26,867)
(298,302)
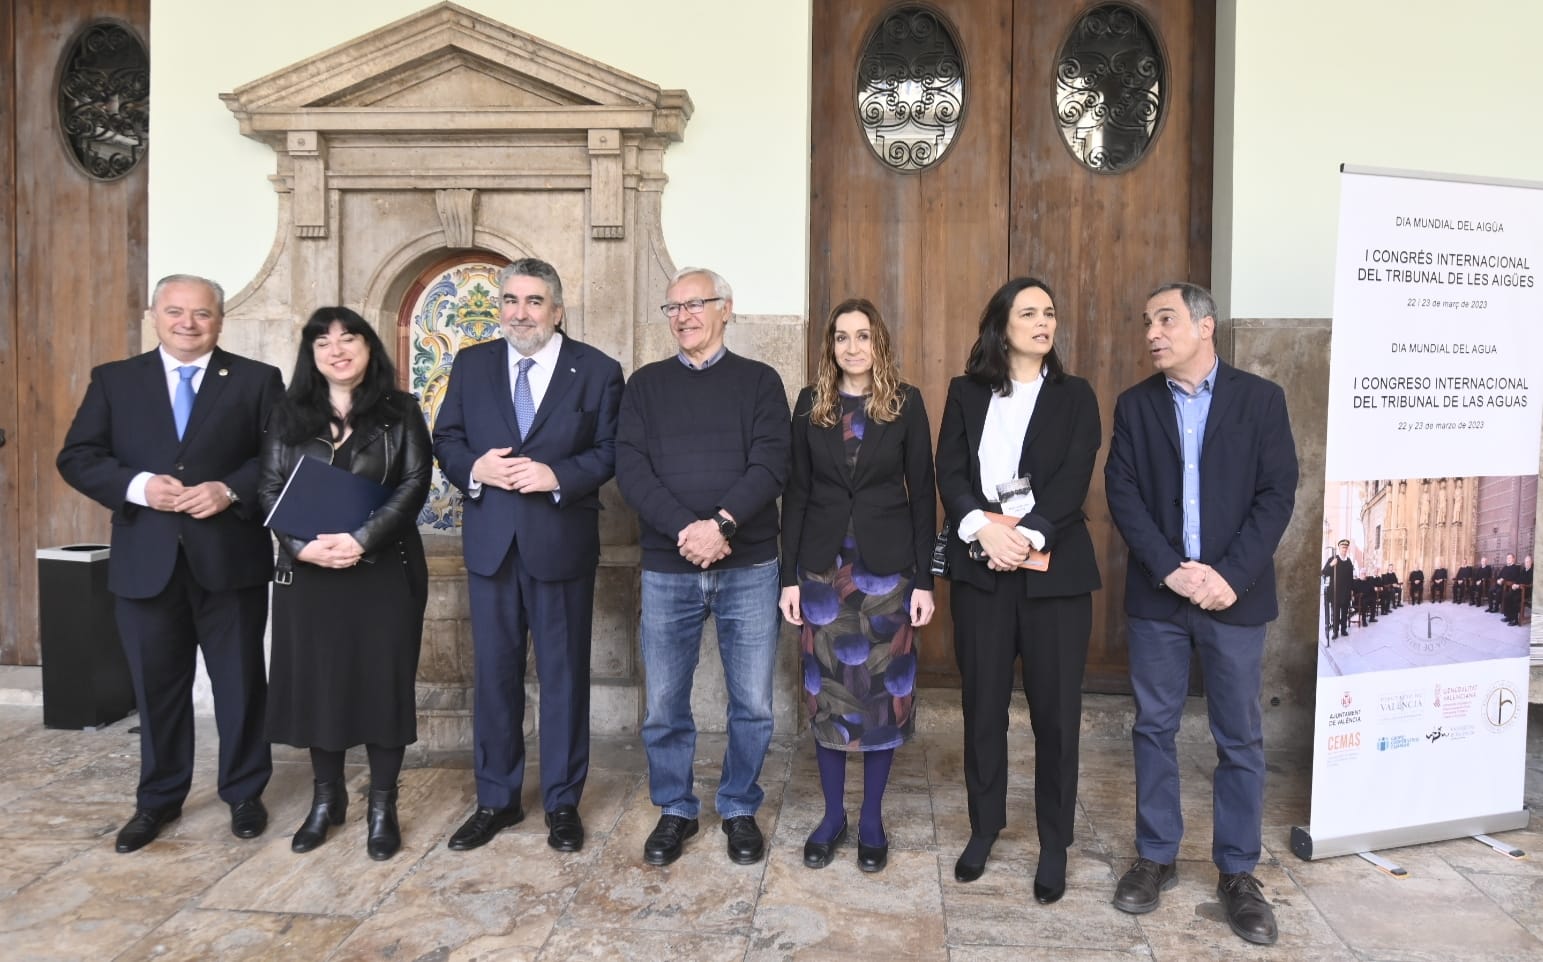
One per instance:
(726,525)
(231,494)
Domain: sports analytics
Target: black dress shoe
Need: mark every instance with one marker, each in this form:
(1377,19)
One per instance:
(566,828)
(1050,877)
(821,854)
(484,823)
(872,858)
(248,818)
(1143,885)
(329,806)
(144,826)
(1248,913)
(746,845)
(385,833)
(972,861)
(668,838)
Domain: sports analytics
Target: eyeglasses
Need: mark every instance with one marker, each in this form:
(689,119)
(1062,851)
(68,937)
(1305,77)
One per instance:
(694,306)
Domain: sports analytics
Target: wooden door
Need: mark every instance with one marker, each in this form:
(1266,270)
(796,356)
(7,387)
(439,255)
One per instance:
(1009,198)
(74,294)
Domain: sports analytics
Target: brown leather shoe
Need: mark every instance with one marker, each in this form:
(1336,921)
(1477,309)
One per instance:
(1248,912)
(1143,886)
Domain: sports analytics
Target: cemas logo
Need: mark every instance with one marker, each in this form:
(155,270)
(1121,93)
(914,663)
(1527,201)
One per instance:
(1349,741)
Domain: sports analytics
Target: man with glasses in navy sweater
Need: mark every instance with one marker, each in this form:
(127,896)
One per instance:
(702,454)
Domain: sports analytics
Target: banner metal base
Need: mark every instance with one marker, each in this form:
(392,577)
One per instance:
(1309,848)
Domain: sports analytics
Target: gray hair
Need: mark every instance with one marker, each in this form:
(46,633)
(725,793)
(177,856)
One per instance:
(721,287)
(540,270)
(219,292)
(1197,300)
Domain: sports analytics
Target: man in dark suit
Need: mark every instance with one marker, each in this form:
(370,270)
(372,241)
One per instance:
(169,442)
(1339,570)
(1201,481)
(528,431)
(1416,586)
(1438,583)
(1508,590)
(1483,579)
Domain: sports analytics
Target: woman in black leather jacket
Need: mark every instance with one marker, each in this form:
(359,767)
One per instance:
(348,605)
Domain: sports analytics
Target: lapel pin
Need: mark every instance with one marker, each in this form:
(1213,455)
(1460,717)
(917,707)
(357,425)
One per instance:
(573,370)
(223,372)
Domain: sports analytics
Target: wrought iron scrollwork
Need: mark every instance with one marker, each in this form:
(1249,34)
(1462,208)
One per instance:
(104,95)
(910,88)
(1109,88)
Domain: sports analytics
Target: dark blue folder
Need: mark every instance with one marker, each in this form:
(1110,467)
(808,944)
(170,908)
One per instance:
(321,499)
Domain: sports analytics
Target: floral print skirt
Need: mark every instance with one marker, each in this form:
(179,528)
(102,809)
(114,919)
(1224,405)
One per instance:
(858,655)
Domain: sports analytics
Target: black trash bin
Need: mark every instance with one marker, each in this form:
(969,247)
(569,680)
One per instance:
(86,679)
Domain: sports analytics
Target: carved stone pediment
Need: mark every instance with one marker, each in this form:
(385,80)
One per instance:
(448,99)
(510,80)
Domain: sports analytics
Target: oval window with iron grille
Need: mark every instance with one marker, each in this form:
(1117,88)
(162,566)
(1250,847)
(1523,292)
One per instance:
(910,88)
(104,100)
(1110,85)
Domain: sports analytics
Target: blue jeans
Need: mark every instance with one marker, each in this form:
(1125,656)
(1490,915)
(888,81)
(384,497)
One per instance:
(743,601)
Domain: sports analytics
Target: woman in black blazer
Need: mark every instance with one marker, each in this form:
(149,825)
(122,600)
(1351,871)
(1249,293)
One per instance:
(348,605)
(858,518)
(1017,414)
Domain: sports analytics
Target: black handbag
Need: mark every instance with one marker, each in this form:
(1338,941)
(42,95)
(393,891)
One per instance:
(939,566)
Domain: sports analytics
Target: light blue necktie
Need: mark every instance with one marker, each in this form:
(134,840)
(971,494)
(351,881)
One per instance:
(524,406)
(182,405)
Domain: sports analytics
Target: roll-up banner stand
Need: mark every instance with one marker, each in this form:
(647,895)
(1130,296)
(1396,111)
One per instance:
(1431,467)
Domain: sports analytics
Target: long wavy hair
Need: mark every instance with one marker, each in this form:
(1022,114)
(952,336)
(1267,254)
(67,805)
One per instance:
(885,398)
(306,411)
(988,363)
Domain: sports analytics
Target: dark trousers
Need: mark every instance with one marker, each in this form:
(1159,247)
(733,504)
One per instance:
(1416,592)
(161,639)
(558,616)
(1438,591)
(1050,635)
(1230,661)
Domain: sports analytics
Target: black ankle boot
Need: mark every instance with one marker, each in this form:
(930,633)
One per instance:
(385,835)
(329,805)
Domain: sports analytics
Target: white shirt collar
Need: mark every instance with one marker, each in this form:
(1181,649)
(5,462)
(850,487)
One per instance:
(171,364)
(546,358)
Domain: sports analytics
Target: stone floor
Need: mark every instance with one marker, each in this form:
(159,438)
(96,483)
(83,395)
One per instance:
(198,893)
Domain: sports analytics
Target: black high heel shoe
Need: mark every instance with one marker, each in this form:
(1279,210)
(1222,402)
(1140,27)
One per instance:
(972,862)
(1050,879)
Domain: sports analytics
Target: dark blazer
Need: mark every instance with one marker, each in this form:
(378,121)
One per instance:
(1339,571)
(1058,454)
(395,455)
(1248,482)
(125,426)
(574,434)
(888,496)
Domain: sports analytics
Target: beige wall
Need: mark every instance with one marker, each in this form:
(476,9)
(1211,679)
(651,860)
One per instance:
(1415,84)
(737,199)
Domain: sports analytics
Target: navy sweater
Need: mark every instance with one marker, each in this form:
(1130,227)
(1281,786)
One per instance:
(691,442)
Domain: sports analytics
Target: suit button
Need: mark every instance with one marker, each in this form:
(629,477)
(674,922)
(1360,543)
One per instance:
(180,467)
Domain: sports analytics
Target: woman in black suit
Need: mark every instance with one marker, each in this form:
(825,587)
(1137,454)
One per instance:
(348,605)
(1016,414)
(858,518)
